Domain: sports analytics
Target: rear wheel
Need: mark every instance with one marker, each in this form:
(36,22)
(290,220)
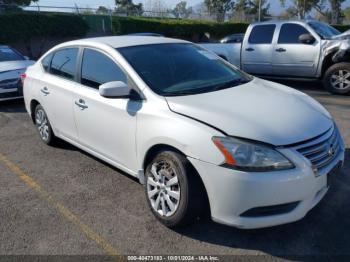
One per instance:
(43,126)
(173,189)
(337,79)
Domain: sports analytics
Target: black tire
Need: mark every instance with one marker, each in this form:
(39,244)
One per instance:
(193,199)
(334,71)
(50,139)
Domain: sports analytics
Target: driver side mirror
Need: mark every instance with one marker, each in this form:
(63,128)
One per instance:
(118,89)
(307,39)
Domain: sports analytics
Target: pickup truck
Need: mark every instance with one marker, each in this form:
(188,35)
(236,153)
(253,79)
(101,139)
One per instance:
(305,50)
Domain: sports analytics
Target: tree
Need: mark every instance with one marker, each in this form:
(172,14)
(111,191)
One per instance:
(347,13)
(300,8)
(245,8)
(241,10)
(254,8)
(157,8)
(181,10)
(336,14)
(14,4)
(285,15)
(219,8)
(128,7)
(332,15)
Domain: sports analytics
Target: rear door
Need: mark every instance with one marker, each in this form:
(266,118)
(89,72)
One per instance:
(292,58)
(257,49)
(57,86)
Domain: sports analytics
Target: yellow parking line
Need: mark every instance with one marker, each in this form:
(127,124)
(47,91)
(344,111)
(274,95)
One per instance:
(65,212)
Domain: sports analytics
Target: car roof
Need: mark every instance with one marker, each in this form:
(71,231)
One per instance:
(146,34)
(283,21)
(124,41)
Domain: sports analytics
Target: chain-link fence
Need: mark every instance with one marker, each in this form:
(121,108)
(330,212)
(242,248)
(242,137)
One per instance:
(100,20)
(191,13)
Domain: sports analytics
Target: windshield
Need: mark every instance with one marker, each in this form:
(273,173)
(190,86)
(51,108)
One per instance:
(8,54)
(181,69)
(325,31)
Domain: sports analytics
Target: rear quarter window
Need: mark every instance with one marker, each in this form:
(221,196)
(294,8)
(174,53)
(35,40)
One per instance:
(46,62)
(64,63)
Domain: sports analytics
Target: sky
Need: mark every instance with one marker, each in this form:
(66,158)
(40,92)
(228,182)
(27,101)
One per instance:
(275,4)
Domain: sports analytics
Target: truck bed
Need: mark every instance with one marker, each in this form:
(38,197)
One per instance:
(231,52)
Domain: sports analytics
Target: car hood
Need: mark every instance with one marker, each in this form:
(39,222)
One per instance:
(14,65)
(259,110)
(342,36)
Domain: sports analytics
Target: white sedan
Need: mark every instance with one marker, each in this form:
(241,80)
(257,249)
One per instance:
(12,65)
(195,130)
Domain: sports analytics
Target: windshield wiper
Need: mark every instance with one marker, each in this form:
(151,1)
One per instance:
(207,89)
(232,83)
(182,93)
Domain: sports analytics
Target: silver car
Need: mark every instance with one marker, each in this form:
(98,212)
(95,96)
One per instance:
(12,65)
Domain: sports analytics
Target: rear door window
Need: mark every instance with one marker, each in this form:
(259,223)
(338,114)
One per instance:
(262,34)
(64,63)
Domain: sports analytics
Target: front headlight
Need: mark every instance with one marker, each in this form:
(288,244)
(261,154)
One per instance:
(247,156)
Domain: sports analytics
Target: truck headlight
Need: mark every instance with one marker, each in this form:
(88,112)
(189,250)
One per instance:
(248,156)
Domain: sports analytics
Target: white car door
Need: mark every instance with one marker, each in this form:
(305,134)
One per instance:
(106,126)
(57,85)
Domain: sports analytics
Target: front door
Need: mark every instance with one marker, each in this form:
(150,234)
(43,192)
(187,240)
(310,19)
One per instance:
(292,58)
(106,126)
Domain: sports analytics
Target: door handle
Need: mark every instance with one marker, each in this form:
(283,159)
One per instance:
(249,49)
(281,50)
(81,104)
(45,91)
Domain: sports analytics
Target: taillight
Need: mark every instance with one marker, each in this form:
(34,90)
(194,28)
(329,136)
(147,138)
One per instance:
(23,76)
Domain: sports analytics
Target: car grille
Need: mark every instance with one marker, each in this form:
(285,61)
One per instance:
(322,150)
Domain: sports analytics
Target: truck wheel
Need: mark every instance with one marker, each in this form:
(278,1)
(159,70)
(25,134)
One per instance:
(337,79)
(173,190)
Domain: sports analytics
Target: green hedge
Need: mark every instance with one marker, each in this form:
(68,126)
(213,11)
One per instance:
(182,28)
(95,22)
(342,28)
(25,26)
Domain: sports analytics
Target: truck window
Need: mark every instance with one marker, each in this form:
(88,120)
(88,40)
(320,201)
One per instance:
(261,34)
(289,33)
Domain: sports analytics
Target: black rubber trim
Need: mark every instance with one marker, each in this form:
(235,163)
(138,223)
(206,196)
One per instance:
(270,210)
(307,140)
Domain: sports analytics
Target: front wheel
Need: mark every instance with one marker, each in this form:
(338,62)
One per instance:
(173,189)
(337,79)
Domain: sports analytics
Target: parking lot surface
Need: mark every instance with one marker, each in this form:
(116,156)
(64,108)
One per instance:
(62,201)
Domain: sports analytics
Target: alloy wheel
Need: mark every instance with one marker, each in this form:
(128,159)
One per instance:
(42,124)
(340,79)
(163,188)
